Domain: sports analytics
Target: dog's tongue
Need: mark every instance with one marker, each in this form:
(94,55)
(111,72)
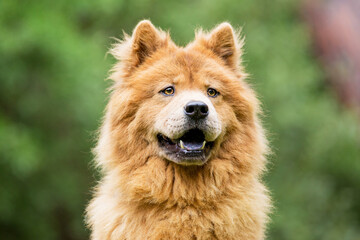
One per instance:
(193,140)
(193,145)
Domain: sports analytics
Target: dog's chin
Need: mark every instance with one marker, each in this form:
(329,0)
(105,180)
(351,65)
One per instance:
(191,149)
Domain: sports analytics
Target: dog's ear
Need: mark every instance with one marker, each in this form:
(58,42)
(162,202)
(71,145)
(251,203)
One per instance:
(223,41)
(146,39)
(133,50)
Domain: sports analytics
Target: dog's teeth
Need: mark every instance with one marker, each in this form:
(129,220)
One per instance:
(182,144)
(203,146)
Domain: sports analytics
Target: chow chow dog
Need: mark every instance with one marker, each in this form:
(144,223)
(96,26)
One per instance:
(181,147)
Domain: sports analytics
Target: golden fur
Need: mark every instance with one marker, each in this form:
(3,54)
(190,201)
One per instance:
(144,196)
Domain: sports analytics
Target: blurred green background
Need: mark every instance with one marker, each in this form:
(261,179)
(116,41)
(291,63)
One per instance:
(52,96)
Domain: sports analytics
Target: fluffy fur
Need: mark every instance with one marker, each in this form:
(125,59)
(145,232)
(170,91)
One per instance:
(142,195)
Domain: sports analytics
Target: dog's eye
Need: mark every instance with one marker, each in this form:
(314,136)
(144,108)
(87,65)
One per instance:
(169,91)
(212,92)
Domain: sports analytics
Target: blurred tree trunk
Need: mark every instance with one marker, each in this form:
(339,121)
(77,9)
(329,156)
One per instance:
(335,28)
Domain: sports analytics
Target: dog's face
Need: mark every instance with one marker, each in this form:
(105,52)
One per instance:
(188,125)
(183,101)
(186,122)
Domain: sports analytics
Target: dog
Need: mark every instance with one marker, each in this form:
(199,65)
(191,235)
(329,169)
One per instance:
(181,147)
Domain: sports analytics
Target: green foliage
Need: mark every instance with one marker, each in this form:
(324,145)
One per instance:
(52,94)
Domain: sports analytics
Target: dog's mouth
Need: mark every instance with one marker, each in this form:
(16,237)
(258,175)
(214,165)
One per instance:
(190,149)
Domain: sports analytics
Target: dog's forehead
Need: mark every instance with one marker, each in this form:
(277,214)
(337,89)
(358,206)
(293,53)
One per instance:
(190,60)
(191,68)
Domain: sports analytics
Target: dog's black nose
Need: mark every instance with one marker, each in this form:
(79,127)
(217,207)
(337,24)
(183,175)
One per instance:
(196,110)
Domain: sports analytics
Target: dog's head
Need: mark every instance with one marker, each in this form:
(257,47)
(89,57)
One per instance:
(179,104)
